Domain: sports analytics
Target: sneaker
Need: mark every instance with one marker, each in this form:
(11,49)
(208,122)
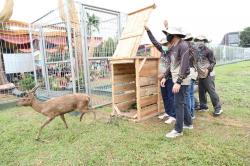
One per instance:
(193,117)
(163,116)
(173,134)
(170,120)
(203,109)
(190,127)
(218,112)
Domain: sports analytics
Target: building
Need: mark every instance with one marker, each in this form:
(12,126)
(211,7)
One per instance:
(231,39)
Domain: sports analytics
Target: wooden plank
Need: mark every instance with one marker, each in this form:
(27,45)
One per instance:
(123,66)
(143,9)
(132,33)
(113,97)
(149,90)
(124,78)
(148,80)
(138,96)
(147,72)
(159,89)
(124,71)
(124,97)
(125,105)
(150,68)
(150,63)
(149,110)
(141,65)
(126,87)
(117,109)
(122,61)
(149,100)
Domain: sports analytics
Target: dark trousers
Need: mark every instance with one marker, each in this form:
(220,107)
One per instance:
(181,108)
(207,85)
(168,98)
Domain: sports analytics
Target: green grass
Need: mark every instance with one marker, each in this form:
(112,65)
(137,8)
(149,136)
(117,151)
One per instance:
(214,141)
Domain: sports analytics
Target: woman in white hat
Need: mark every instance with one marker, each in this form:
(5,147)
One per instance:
(166,88)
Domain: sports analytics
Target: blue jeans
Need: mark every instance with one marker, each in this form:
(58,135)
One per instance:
(190,99)
(181,107)
(168,97)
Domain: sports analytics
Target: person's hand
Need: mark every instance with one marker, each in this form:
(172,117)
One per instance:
(165,22)
(176,88)
(163,81)
(206,72)
(146,27)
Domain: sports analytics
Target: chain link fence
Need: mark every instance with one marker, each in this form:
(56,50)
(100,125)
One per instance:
(228,54)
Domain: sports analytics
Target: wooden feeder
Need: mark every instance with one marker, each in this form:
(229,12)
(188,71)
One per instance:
(135,83)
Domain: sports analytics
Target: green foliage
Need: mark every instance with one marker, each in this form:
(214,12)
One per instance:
(93,23)
(106,49)
(27,82)
(245,37)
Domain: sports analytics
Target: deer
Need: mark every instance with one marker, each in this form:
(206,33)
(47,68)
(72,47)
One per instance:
(57,106)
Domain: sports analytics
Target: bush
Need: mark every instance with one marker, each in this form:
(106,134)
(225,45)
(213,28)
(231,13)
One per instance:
(27,82)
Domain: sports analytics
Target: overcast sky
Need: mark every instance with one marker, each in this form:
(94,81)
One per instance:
(212,18)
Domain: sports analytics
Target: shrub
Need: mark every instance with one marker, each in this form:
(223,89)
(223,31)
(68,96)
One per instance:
(27,82)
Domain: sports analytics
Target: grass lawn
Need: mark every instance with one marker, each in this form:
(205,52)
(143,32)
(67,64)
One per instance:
(221,141)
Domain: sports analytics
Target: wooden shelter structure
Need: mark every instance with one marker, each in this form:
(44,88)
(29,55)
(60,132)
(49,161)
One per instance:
(135,83)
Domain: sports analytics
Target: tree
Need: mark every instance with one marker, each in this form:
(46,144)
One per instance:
(93,23)
(106,49)
(245,37)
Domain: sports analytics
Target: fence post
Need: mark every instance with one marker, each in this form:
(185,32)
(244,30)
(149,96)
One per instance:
(119,28)
(85,55)
(32,53)
(43,54)
(72,62)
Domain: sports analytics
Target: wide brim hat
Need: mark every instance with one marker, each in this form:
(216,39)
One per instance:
(174,31)
(201,38)
(163,41)
(189,37)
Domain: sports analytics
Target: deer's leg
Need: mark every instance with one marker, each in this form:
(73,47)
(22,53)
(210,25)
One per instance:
(64,121)
(81,116)
(47,122)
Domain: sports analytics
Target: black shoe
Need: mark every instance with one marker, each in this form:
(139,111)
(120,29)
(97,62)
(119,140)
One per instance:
(203,109)
(218,112)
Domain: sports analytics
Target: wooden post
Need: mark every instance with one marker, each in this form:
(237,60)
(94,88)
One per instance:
(137,82)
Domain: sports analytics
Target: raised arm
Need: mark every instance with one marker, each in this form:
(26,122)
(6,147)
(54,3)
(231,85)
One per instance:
(153,40)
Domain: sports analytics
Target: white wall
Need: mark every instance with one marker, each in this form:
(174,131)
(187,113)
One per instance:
(18,63)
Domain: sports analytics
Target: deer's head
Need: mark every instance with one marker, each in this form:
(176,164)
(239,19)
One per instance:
(28,97)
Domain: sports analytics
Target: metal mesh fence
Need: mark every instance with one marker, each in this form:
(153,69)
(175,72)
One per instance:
(227,54)
(16,61)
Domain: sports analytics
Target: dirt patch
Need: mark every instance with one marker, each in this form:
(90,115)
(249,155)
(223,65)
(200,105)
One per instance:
(6,97)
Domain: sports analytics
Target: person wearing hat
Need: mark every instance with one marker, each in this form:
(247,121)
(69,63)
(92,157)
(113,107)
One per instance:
(166,88)
(205,61)
(193,75)
(180,70)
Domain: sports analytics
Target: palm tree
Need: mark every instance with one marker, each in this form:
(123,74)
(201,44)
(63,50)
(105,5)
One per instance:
(93,23)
